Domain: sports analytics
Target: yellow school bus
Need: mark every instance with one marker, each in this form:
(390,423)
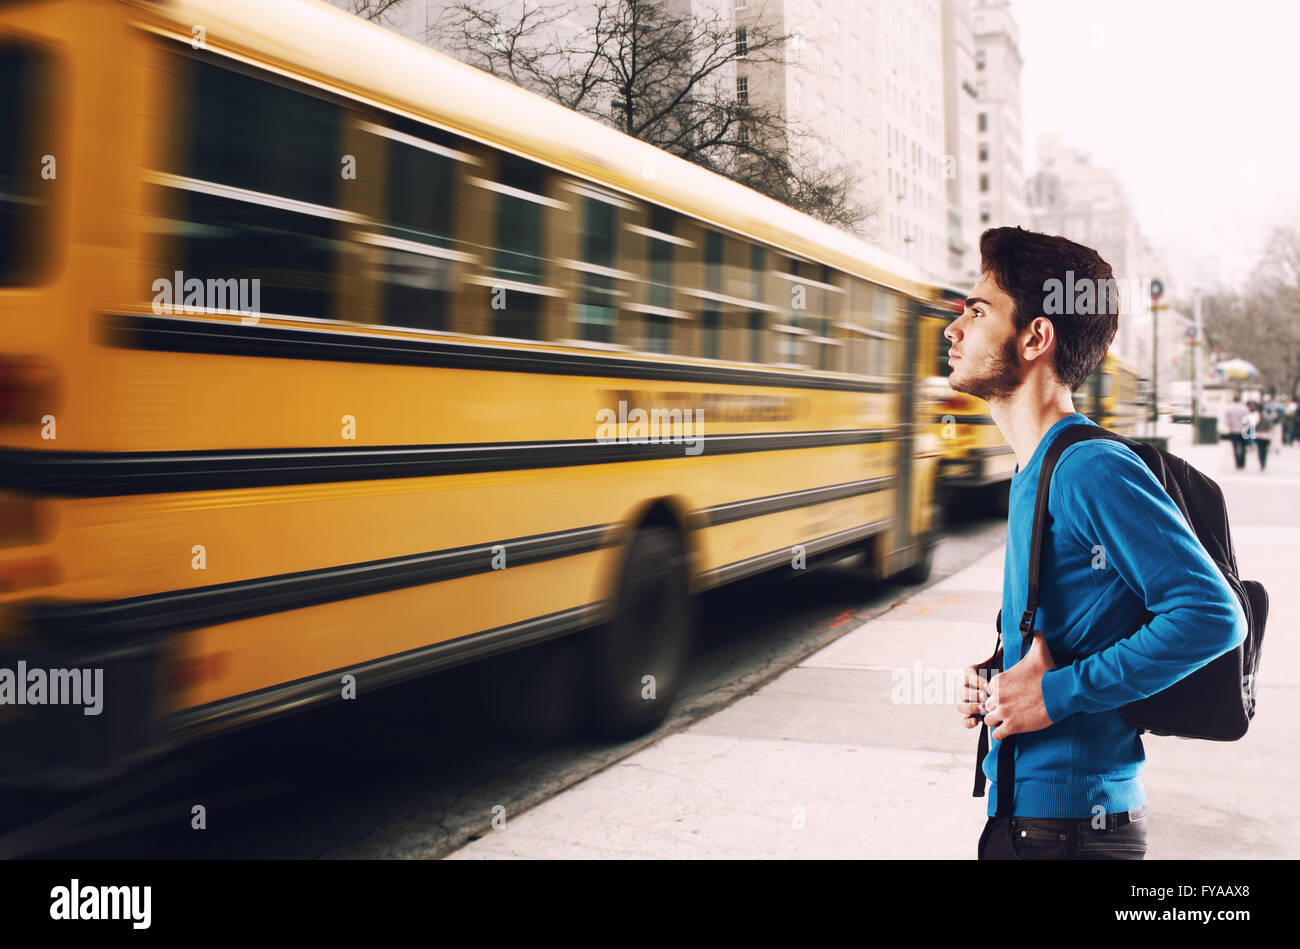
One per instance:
(1110,397)
(329,361)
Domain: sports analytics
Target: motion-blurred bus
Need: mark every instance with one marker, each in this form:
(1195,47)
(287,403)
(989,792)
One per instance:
(329,362)
(1111,397)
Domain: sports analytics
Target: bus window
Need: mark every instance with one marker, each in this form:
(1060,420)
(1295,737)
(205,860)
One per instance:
(887,345)
(659,334)
(26,93)
(1089,391)
(660,292)
(757,323)
(596,285)
(711,328)
(941,367)
(831,344)
(417,274)
(661,274)
(856,320)
(519,245)
(789,340)
(519,222)
(253,200)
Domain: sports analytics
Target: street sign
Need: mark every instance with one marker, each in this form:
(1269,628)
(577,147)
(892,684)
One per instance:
(1157,289)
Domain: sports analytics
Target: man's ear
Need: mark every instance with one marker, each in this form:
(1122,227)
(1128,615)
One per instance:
(1042,335)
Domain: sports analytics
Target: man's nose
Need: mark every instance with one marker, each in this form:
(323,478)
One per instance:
(950,332)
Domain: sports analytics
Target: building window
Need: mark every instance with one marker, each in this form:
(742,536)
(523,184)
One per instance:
(742,42)
(984,182)
(742,90)
(984,152)
(985,217)
(797,38)
(979,59)
(984,122)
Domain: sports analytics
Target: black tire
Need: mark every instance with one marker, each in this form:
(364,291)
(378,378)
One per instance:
(946,498)
(648,635)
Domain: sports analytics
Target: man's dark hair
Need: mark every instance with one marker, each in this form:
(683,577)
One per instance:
(1042,274)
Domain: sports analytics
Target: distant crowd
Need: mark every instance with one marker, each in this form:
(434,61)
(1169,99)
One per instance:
(1254,423)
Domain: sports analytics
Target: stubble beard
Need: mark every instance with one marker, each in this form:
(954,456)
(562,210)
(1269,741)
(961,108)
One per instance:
(1001,379)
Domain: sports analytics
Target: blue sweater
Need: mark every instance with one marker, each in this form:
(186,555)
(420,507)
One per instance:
(1117,544)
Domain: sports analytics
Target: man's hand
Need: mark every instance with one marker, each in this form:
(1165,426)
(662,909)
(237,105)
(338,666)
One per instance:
(1015,702)
(975,691)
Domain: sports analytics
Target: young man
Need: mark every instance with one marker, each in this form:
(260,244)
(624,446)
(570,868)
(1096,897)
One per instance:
(1117,546)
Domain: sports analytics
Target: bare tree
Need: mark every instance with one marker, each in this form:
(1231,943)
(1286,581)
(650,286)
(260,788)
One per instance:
(1262,322)
(663,74)
(376,11)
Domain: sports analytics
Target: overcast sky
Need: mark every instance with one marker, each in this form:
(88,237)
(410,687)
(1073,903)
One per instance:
(1195,104)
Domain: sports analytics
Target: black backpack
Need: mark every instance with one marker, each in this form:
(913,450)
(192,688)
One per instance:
(1215,702)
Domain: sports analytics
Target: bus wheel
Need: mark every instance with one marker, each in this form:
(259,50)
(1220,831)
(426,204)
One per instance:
(639,656)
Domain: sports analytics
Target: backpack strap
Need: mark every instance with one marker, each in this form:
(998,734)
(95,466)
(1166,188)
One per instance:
(982,749)
(1070,435)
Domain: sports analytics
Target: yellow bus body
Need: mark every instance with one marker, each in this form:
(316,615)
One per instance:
(244,509)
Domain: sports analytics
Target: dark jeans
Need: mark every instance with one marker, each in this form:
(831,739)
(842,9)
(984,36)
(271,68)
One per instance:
(1239,450)
(1262,445)
(1050,838)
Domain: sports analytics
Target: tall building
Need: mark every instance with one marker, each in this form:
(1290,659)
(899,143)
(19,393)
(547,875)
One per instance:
(864,79)
(999,134)
(960,163)
(1072,197)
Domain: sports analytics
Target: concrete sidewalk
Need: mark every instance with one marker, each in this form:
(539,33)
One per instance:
(823,762)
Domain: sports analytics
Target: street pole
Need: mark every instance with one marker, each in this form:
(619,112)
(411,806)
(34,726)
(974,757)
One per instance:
(1157,290)
(1196,370)
(1155,367)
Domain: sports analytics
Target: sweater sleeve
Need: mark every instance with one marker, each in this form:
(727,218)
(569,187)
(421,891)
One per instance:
(1106,496)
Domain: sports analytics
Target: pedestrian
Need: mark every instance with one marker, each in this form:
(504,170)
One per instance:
(1260,424)
(1289,421)
(1234,419)
(1275,411)
(1117,546)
